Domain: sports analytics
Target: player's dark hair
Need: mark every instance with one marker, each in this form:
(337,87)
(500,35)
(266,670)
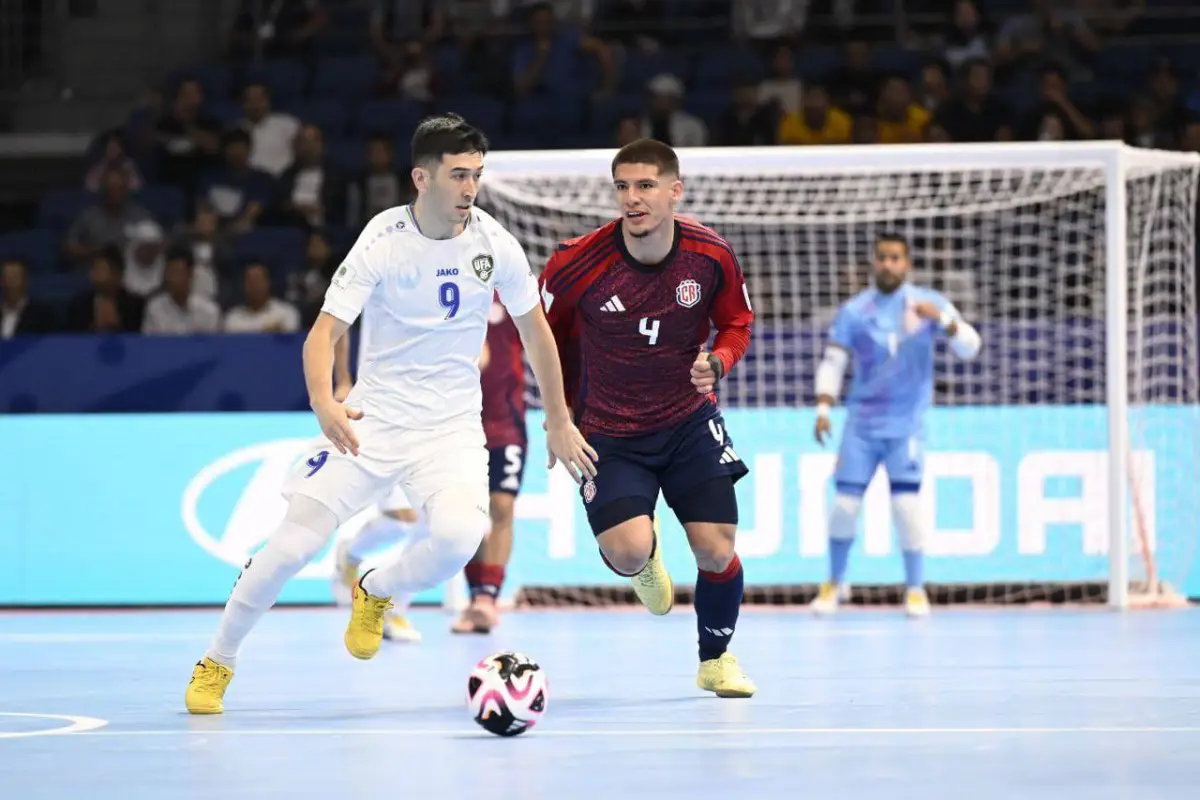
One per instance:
(648,151)
(445,135)
(893,238)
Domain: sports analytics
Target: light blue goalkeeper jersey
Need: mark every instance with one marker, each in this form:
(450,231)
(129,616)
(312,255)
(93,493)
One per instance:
(892,350)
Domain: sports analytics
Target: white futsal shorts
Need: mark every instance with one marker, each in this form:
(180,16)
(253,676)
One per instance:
(391,460)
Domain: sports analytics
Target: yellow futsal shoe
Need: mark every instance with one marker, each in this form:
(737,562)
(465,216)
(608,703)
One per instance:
(723,677)
(653,584)
(916,603)
(206,692)
(364,633)
(398,628)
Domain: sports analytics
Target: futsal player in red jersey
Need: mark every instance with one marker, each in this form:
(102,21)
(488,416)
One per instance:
(502,376)
(631,305)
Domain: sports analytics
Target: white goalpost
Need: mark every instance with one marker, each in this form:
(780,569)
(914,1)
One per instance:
(1077,262)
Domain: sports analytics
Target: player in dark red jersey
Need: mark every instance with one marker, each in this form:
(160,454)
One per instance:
(503,381)
(631,306)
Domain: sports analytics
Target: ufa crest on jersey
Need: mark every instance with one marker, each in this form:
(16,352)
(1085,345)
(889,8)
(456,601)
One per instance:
(687,293)
(484,267)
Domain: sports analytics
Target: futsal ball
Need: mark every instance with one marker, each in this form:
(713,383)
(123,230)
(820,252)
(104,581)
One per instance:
(507,693)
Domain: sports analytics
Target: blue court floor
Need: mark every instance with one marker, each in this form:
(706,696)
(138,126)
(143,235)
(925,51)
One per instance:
(969,704)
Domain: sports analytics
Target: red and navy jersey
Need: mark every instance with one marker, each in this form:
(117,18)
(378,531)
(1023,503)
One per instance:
(503,382)
(628,333)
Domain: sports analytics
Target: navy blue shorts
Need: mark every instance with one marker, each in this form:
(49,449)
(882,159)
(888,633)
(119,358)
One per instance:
(506,468)
(672,461)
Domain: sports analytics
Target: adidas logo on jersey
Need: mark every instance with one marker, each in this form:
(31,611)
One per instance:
(614,304)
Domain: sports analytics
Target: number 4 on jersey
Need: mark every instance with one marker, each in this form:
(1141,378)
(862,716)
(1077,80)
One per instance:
(649,327)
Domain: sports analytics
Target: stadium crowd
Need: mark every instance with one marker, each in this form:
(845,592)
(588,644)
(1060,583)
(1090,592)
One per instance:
(227,199)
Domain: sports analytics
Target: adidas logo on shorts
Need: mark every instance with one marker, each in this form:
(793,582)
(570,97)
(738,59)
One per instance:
(728,456)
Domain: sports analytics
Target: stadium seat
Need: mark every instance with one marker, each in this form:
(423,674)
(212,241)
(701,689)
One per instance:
(604,114)
(280,249)
(816,63)
(722,66)
(57,288)
(641,67)
(166,203)
(348,154)
(38,248)
(707,104)
(391,117)
(285,80)
(348,79)
(896,59)
(482,111)
(59,207)
(225,110)
(215,79)
(327,114)
(547,113)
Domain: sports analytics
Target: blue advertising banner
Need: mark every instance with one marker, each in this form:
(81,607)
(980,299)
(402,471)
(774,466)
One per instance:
(164,509)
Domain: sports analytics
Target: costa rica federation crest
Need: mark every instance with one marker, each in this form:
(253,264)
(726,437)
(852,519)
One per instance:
(484,267)
(687,293)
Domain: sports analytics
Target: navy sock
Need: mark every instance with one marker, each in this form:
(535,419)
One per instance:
(718,601)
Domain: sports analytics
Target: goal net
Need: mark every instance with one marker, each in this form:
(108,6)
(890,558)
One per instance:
(1059,468)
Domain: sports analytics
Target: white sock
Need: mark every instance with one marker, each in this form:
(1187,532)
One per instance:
(457,523)
(303,533)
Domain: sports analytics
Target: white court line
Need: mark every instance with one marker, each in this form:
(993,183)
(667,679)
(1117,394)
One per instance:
(75,725)
(685,732)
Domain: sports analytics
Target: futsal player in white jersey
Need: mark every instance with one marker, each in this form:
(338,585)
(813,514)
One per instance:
(426,273)
(890,331)
(396,522)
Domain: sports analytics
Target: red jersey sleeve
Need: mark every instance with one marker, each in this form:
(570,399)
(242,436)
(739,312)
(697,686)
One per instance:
(560,313)
(731,312)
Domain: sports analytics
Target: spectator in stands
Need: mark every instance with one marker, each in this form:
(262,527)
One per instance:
(19,315)
(395,23)
(189,141)
(782,88)
(1048,33)
(237,192)
(107,222)
(312,192)
(177,309)
(1142,128)
(380,187)
(746,122)
(901,121)
(106,307)
(865,130)
(966,38)
(1170,115)
(1113,16)
(144,262)
(1055,117)
(411,76)
(765,21)
(818,122)
(277,29)
(855,86)
(113,156)
(547,58)
(272,133)
(977,115)
(307,285)
(629,129)
(935,87)
(665,119)
(631,25)
(209,248)
(261,313)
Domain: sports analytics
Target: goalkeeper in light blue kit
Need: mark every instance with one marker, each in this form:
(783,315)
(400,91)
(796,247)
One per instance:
(890,330)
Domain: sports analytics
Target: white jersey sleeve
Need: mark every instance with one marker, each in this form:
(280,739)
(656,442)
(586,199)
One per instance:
(354,281)
(514,277)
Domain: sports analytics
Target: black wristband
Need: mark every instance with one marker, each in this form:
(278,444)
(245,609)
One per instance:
(717,367)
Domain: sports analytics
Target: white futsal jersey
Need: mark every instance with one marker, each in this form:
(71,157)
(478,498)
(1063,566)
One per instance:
(425,305)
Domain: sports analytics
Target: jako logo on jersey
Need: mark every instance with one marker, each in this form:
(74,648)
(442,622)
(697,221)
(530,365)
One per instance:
(687,293)
(444,271)
(232,505)
(483,266)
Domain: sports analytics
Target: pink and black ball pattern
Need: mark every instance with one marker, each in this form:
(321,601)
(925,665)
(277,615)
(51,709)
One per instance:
(507,693)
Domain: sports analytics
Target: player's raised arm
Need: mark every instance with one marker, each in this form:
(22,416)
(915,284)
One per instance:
(733,317)
(560,313)
(831,372)
(964,340)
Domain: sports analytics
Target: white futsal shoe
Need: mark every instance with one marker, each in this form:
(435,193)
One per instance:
(828,598)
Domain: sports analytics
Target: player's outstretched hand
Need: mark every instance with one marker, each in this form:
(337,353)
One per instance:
(822,429)
(335,424)
(566,444)
(704,377)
